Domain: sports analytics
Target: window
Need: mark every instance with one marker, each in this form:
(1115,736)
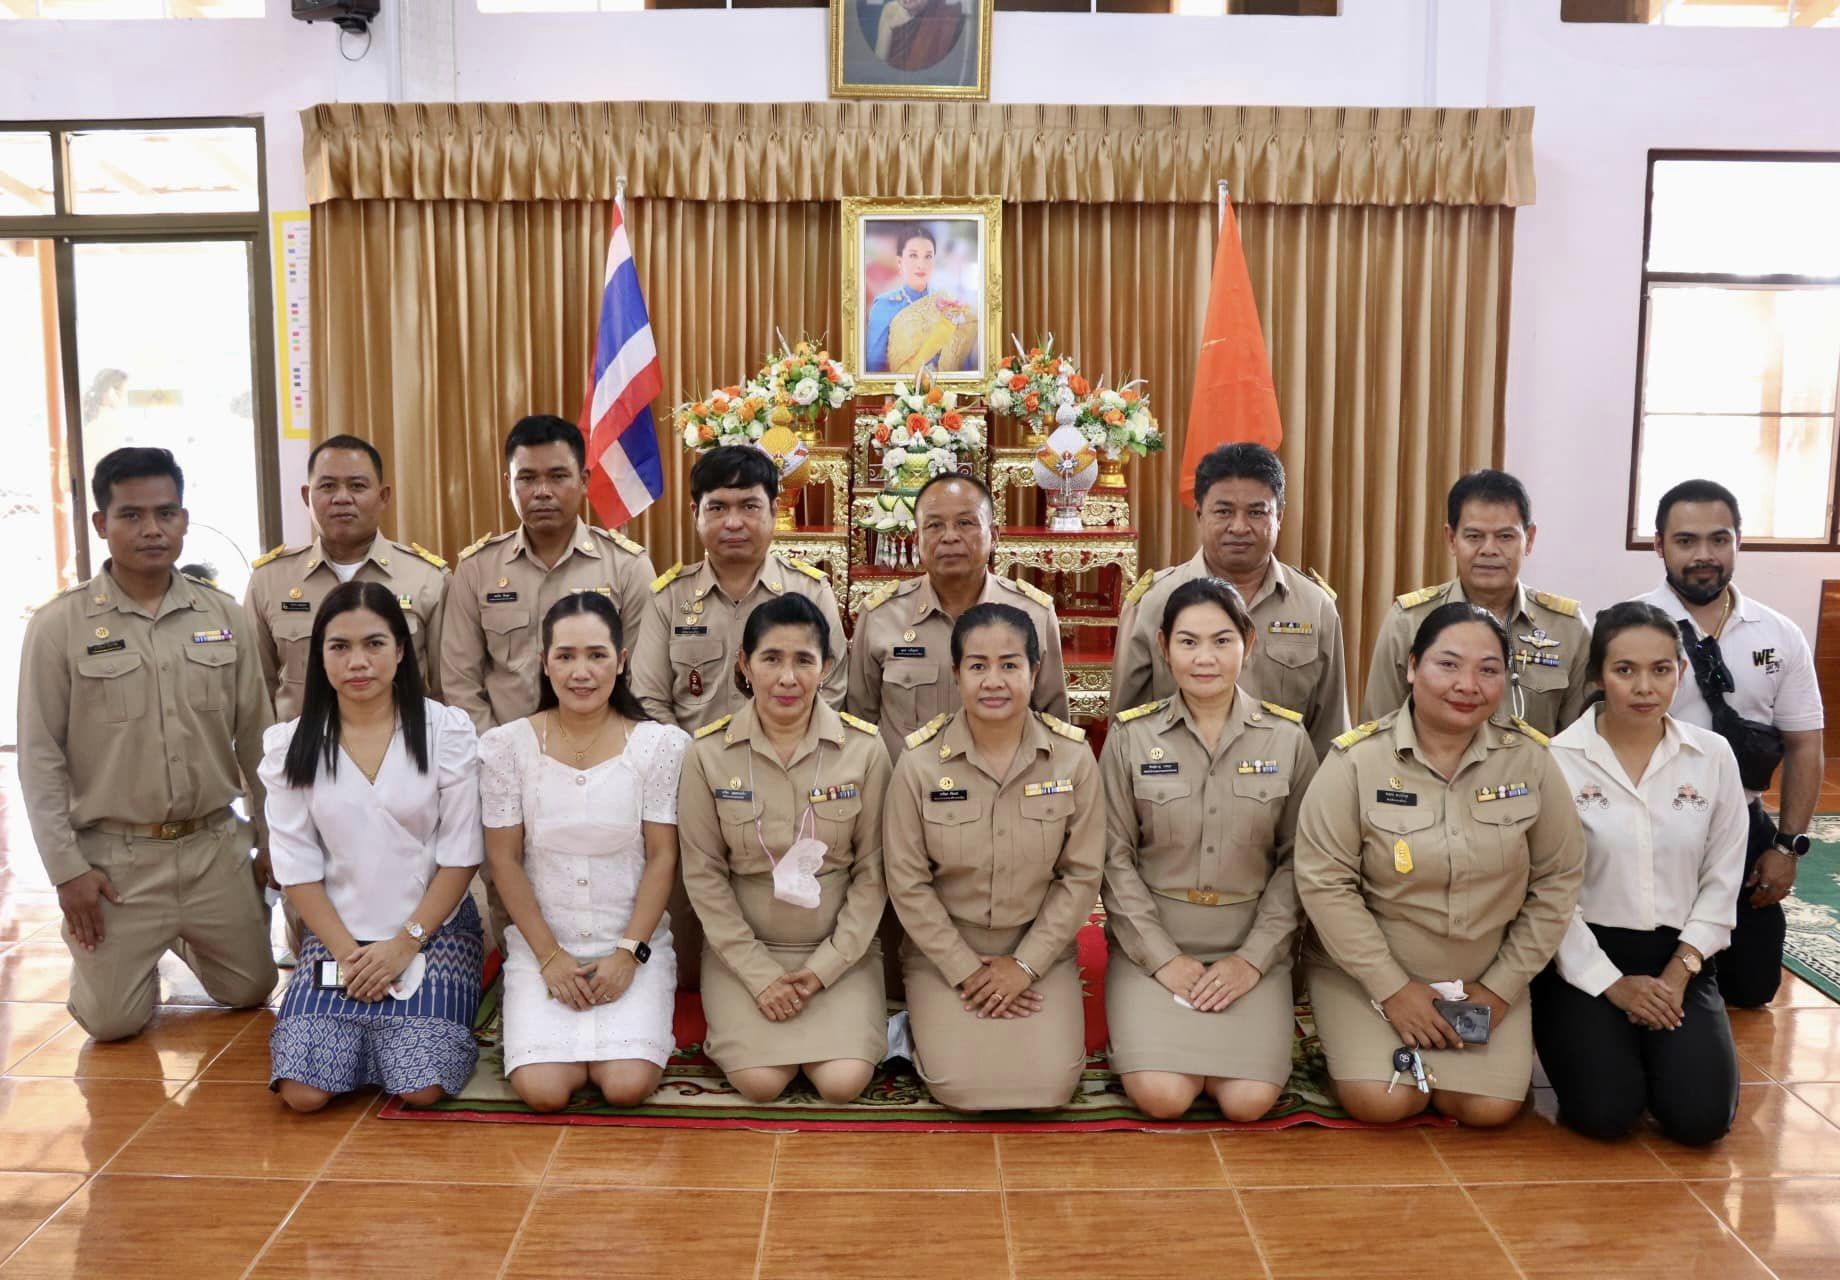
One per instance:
(130,9)
(1739,364)
(1705,13)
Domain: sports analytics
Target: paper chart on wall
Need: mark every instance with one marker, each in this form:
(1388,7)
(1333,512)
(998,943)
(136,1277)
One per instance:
(291,244)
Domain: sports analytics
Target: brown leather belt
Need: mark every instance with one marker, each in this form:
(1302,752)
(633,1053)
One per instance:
(154,830)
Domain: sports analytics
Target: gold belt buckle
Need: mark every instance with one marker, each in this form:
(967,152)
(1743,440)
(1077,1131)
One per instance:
(171,831)
(1203,897)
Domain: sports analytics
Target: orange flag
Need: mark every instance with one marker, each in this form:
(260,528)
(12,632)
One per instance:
(1234,398)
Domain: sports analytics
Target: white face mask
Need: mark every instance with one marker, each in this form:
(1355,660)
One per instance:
(795,875)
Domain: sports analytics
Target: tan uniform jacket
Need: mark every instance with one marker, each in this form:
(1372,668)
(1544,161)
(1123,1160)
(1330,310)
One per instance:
(1025,850)
(1385,842)
(683,669)
(492,626)
(901,655)
(283,600)
(1549,641)
(732,778)
(136,717)
(1210,827)
(1296,660)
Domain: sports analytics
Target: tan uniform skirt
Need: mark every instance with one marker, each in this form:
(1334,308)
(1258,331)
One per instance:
(995,1064)
(1359,1043)
(848,1019)
(1248,1040)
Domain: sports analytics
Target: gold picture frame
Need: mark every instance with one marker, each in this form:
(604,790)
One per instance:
(886,339)
(940,50)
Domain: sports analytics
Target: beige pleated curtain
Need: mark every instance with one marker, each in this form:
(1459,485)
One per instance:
(457,252)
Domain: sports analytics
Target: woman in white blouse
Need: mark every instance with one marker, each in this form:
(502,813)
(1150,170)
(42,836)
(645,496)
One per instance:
(373,818)
(1629,1017)
(580,805)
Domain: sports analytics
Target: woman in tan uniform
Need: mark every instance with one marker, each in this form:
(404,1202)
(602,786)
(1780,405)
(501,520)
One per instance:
(994,842)
(1436,846)
(1202,791)
(779,830)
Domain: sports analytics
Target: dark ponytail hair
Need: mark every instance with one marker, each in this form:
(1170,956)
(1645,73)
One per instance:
(1216,591)
(1627,616)
(316,734)
(992,614)
(574,605)
(1446,616)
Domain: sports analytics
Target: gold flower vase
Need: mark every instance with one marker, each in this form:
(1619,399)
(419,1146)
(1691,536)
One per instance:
(1111,472)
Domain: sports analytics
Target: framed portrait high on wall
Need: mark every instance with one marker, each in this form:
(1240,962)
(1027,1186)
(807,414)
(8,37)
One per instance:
(922,289)
(910,48)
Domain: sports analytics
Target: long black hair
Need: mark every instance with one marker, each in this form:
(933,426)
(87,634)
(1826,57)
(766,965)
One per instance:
(574,605)
(316,735)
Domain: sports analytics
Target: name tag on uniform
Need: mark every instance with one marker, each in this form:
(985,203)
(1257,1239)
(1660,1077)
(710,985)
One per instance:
(219,636)
(698,630)
(1257,766)
(297,606)
(1293,628)
(729,793)
(106,646)
(1159,767)
(1407,798)
(1506,791)
(501,597)
(1059,787)
(958,793)
(910,651)
(846,791)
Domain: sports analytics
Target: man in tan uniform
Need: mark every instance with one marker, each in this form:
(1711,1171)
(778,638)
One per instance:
(492,624)
(140,703)
(347,495)
(1489,526)
(1296,659)
(683,667)
(901,655)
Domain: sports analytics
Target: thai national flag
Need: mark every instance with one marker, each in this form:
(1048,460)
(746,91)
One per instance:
(625,475)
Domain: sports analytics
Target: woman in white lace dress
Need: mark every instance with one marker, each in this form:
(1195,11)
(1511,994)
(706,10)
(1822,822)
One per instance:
(580,808)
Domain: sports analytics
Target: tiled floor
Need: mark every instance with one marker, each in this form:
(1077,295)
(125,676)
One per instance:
(166,1156)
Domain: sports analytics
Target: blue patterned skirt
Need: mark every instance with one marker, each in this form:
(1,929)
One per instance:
(326,1040)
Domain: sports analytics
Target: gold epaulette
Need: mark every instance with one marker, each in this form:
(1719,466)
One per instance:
(202,581)
(1322,582)
(810,571)
(268,556)
(1558,604)
(712,726)
(427,555)
(882,595)
(1295,717)
(620,540)
(1032,591)
(1412,599)
(858,723)
(1138,588)
(926,730)
(666,578)
(1062,727)
(1530,731)
(474,548)
(1356,734)
(1141,710)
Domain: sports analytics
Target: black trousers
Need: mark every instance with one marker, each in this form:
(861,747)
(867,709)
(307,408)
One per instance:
(1750,969)
(1606,1070)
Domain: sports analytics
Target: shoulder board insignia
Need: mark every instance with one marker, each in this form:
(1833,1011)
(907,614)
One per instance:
(1412,599)
(620,540)
(858,723)
(1558,604)
(926,730)
(201,580)
(809,570)
(1356,734)
(1141,710)
(1295,717)
(713,726)
(881,596)
(666,578)
(1531,732)
(273,553)
(427,555)
(1322,582)
(474,548)
(1138,588)
(1061,727)
(1032,591)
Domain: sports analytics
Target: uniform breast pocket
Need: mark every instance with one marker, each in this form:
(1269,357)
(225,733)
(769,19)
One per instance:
(738,816)
(1383,863)
(114,688)
(910,692)
(210,676)
(1161,808)
(836,821)
(1502,829)
(1258,799)
(293,632)
(1292,663)
(1044,820)
(952,829)
(505,626)
(703,656)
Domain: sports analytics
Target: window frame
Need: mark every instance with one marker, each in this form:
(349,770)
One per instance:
(66,230)
(1646,278)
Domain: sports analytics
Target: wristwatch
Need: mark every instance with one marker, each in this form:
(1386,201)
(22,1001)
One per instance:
(1794,846)
(1689,962)
(417,934)
(641,951)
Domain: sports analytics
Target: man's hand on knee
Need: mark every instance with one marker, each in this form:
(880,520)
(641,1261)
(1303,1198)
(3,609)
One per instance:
(80,899)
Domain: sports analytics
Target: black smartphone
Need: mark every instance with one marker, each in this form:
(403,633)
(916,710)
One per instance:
(1468,1018)
(326,976)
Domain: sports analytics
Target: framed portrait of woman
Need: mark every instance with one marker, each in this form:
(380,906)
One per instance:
(910,49)
(922,289)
